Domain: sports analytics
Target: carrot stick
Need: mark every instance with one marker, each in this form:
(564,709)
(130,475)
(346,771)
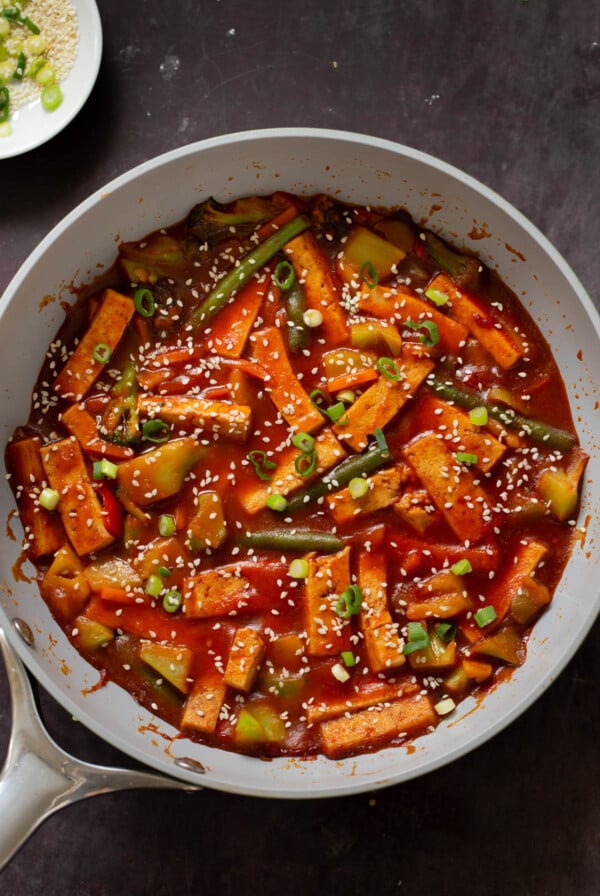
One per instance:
(276,223)
(352,379)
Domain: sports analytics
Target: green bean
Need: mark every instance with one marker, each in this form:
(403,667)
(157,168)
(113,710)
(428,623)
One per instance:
(295,305)
(348,469)
(301,540)
(239,275)
(538,431)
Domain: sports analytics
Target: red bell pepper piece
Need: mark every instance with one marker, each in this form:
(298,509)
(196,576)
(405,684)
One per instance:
(112,511)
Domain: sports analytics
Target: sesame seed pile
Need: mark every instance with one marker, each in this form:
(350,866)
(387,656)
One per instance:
(57,21)
(301,477)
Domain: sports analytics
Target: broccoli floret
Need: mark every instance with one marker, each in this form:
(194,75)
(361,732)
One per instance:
(210,221)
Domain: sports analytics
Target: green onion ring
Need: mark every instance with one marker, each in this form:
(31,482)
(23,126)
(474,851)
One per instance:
(143,299)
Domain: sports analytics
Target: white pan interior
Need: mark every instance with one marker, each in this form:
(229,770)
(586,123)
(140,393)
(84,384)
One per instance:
(354,168)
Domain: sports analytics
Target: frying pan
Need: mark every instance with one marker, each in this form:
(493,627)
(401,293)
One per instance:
(354,168)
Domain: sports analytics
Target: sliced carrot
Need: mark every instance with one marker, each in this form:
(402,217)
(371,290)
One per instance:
(352,379)
(117,595)
(231,327)
(276,223)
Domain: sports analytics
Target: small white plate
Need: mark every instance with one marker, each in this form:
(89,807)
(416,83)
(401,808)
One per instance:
(31,124)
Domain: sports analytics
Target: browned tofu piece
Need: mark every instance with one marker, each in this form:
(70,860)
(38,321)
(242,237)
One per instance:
(442,595)
(382,642)
(454,424)
(482,323)
(43,530)
(382,692)
(203,706)
(283,386)
(376,726)
(415,508)
(285,477)
(79,506)
(383,646)
(106,329)
(245,657)
(232,421)
(384,489)
(328,577)
(216,592)
(451,486)
(380,403)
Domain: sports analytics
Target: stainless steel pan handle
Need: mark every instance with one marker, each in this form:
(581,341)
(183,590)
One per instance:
(39,777)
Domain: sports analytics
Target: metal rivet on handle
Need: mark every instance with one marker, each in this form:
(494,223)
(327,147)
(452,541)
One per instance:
(23,630)
(190,765)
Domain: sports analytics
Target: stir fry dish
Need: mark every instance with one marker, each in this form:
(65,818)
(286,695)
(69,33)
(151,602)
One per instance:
(298,475)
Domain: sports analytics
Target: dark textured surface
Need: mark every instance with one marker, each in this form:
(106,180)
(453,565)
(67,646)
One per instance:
(508,91)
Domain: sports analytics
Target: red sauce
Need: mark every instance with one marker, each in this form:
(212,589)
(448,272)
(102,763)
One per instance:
(379,624)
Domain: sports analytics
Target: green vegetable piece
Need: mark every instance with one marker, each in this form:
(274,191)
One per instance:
(297,328)
(535,429)
(159,473)
(207,529)
(238,276)
(92,635)
(484,616)
(300,540)
(210,221)
(371,255)
(172,662)
(350,468)
(463,269)
(259,724)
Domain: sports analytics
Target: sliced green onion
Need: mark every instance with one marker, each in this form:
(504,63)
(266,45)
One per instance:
(101,353)
(347,396)
(336,412)
(20,69)
(156,430)
(261,462)
(306,464)
(4,104)
(319,399)
(298,568)
(283,275)
(163,571)
(35,65)
(446,631)
(304,442)
(432,338)
(461,567)
(45,76)
(340,673)
(49,498)
(358,487)
(437,296)
(52,97)
(143,299)
(445,706)
(465,457)
(389,369)
(172,601)
(349,602)
(369,275)
(484,616)
(166,525)
(478,416)
(153,586)
(418,638)
(277,502)
(348,658)
(313,318)
(381,442)
(104,469)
